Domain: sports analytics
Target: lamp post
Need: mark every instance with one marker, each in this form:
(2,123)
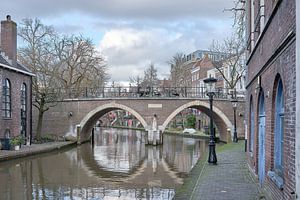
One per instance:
(212,157)
(234,105)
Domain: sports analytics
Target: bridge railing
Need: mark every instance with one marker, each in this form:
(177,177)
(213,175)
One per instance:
(148,92)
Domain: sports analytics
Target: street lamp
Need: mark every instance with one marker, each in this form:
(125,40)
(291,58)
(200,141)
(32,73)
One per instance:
(234,105)
(210,83)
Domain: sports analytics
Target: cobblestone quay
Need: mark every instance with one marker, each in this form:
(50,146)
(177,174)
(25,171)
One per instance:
(230,179)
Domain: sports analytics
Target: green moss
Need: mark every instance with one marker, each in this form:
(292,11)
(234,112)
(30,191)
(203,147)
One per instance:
(229,146)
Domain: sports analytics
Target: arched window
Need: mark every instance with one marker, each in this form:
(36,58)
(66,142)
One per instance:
(23,97)
(279,122)
(7,134)
(251,139)
(6,99)
(23,109)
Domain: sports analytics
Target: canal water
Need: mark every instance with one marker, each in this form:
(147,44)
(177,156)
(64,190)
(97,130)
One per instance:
(118,166)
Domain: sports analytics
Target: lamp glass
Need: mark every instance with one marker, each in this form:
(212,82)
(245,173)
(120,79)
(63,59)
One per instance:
(234,104)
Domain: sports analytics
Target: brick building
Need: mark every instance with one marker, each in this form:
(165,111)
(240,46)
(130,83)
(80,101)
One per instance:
(190,66)
(199,71)
(297,154)
(271,100)
(15,89)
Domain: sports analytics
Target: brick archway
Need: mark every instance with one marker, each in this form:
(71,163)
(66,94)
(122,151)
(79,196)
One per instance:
(220,119)
(85,112)
(90,119)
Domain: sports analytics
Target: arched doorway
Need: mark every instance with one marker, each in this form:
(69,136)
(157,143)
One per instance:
(261,137)
(251,139)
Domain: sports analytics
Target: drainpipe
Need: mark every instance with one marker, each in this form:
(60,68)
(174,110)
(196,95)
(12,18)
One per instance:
(30,110)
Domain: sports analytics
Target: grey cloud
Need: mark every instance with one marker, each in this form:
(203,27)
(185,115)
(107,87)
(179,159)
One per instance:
(128,9)
(68,29)
(170,26)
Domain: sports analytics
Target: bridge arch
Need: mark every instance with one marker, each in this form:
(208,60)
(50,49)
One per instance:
(89,119)
(220,119)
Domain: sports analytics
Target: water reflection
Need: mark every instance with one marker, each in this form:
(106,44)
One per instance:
(119,166)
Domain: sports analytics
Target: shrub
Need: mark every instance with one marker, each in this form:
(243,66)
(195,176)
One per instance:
(17,140)
(190,121)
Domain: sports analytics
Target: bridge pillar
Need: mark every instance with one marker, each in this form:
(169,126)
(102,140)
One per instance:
(228,135)
(154,137)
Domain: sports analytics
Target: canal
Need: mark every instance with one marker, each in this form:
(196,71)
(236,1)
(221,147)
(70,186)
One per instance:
(118,166)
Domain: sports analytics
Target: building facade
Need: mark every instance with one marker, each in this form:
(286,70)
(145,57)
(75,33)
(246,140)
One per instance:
(200,54)
(271,99)
(15,89)
(297,154)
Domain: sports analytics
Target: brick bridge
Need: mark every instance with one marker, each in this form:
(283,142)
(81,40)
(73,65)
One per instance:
(78,116)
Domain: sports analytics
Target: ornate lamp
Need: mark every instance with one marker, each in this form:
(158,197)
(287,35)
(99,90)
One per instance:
(210,85)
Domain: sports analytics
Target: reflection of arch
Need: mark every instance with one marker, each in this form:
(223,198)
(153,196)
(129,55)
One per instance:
(95,168)
(88,121)
(220,119)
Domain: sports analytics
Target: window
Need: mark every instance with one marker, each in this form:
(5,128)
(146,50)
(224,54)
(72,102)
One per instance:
(260,17)
(23,97)
(6,99)
(7,134)
(23,109)
(279,122)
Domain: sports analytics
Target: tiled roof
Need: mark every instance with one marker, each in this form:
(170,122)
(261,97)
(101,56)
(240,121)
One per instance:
(14,66)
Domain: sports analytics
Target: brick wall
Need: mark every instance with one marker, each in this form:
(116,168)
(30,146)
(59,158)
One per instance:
(273,57)
(58,121)
(14,123)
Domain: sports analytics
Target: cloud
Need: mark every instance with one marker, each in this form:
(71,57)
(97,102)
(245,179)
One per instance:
(129,9)
(133,33)
(130,50)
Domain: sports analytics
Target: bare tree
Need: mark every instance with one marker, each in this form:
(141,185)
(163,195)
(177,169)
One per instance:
(81,65)
(68,62)
(135,80)
(177,70)
(239,15)
(232,66)
(150,76)
(37,54)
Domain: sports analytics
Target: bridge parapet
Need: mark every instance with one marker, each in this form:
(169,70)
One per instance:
(148,92)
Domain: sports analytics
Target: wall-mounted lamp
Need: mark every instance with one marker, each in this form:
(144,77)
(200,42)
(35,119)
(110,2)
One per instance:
(268,94)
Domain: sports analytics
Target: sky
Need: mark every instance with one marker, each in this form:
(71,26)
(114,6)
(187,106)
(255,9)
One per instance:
(131,34)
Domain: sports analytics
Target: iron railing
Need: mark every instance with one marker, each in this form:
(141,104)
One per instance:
(149,92)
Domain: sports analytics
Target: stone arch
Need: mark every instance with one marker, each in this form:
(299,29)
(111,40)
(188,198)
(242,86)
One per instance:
(96,113)
(221,120)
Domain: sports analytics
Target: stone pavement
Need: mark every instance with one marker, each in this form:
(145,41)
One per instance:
(32,150)
(229,180)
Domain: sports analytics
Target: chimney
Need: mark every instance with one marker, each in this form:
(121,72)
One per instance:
(9,38)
